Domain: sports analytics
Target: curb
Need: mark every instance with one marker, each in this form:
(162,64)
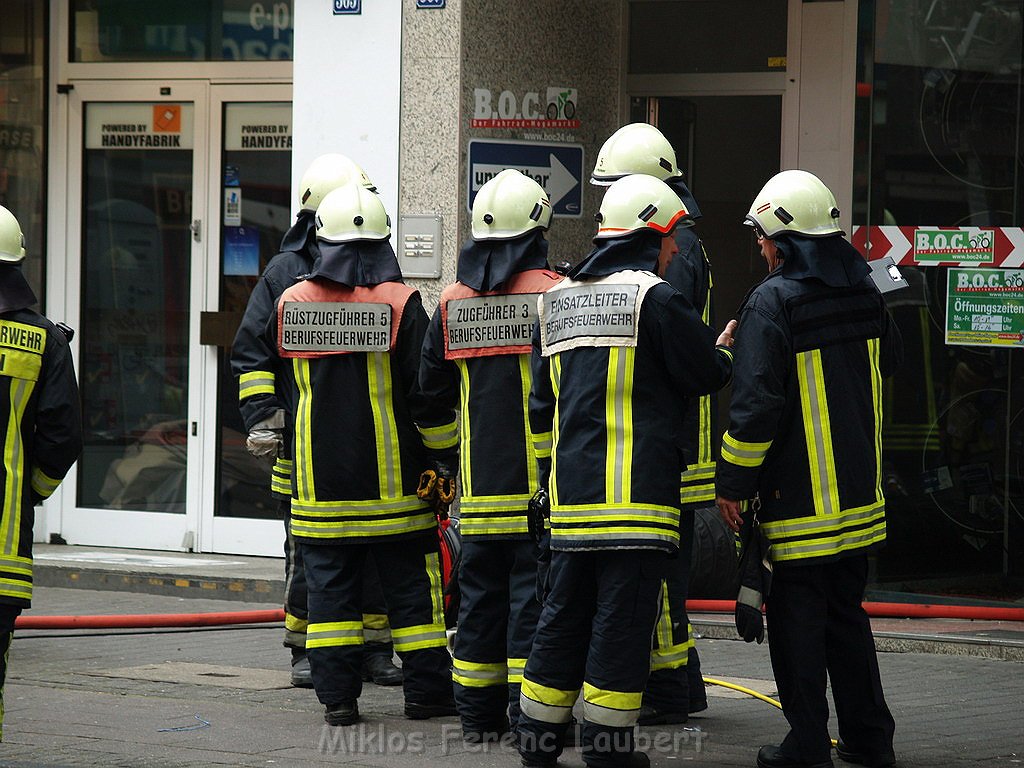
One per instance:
(895,642)
(212,587)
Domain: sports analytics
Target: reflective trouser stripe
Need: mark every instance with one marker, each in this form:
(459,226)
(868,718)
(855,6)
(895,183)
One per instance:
(431,635)
(473,674)
(515,671)
(616,709)
(419,637)
(334,633)
(548,705)
(376,628)
(665,654)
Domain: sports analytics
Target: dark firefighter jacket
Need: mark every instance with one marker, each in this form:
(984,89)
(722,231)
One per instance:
(806,414)
(42,426)
(351,359)
(255,362)
(615,357)
(690,274)
(476,361)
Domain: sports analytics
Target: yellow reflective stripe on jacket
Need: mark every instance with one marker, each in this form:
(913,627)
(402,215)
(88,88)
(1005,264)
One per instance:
(555,374)
(389,462)
(619,425)
(361,517)
(14,474)
(817,432)
(334,633)
(472,674)
(440,437)
(549,705)
(743,454)
(465,464)
(618,521)
(697,483)
(876,403)
(303,444)
(255,383)
(820,536)
(294,623)
(617,709)
(43,484)
(516,667)
(525,383)
(281,477)
(481,515)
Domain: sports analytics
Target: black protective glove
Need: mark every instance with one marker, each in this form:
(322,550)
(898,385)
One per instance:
(538,513)
(437,487)
(755,581)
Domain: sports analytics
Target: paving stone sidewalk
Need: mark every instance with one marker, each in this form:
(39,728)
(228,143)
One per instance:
(220,697)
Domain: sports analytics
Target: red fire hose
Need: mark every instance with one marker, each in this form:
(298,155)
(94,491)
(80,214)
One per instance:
(135,621)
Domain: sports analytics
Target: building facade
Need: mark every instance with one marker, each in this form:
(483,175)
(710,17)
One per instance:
(149,152)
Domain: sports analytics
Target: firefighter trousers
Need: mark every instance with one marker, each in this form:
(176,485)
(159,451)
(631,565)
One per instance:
(594,633)
(676,685)
(817,628)
(497,619)
(8,614)
(376,632)
(410,574)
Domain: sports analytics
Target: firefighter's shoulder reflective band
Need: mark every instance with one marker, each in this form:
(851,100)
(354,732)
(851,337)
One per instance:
(742,453)
(480,322)
(335,326)
(596,310)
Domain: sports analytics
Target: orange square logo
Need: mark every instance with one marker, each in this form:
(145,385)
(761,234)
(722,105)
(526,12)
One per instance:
(166,118)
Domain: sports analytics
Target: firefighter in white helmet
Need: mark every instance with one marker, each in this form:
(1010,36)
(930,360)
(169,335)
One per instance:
(39,405)
(348,339)
(616,352)
(269,420)
(814,342)
(676,686)
(477,354)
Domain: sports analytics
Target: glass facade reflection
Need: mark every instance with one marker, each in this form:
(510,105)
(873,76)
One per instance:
(184,30)
(23,127)
(136,273)
(938,147)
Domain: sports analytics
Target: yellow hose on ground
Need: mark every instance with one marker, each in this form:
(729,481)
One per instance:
(749,692)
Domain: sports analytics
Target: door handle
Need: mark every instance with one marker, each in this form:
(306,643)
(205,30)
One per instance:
(197,230)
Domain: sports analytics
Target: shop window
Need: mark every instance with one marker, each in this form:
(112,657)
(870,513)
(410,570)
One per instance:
(939,155)
(22,126)
(185,30)
(689,36)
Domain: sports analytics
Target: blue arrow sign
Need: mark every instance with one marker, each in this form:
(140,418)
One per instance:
(556,167)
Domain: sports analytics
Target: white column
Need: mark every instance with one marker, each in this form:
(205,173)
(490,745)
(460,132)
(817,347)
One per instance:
(347,89)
